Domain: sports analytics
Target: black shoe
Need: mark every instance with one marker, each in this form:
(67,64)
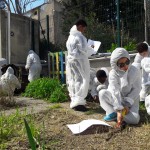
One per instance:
(123,125)
(80,108)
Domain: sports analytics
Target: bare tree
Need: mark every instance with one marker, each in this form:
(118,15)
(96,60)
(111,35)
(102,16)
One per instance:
(18,6)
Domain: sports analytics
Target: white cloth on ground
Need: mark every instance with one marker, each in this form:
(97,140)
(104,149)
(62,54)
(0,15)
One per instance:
(33,63)
(123,89)
(78,67)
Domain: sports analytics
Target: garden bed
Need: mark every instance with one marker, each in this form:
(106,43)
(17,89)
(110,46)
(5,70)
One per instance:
(50,122)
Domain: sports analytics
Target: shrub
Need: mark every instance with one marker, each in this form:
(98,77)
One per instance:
(131,46)
(46,88)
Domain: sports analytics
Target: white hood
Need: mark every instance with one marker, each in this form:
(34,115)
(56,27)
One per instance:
(10,70)
(74,31)
(115,56)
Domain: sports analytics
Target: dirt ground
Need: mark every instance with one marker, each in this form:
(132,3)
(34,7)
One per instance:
(58,136)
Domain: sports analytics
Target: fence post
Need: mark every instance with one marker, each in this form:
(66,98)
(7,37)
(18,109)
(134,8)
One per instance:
(49,68)
(118,22)
(53,63)
(145,8)
(47,27)
(57,64)
(62,67)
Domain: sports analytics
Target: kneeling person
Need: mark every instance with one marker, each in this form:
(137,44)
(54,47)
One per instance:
(123,90)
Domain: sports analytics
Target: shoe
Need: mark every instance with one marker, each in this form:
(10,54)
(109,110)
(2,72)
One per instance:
(80,108)
(111,117)
(123,125)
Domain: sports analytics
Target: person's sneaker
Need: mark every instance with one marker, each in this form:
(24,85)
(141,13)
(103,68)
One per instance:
(111,117)
(80,108)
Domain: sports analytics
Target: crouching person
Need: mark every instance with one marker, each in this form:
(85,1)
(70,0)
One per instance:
(98,81)
(123,90)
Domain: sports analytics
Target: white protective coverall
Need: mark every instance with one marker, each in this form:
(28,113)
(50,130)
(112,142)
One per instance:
(123,89)
(95,85)
(33,63)
(3,61)
(145,91)
(138,58)
(9,82)
(78,67)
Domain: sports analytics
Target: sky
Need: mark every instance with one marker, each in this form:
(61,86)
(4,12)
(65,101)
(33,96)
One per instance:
(35,4)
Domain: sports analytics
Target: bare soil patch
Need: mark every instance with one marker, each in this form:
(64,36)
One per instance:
(58,137)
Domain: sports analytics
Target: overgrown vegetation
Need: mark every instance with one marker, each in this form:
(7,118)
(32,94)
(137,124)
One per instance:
(48,89)
(12,126)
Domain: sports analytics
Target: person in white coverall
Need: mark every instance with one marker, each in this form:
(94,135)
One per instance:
(78,67)
(123,89)
(33,64)
(143,50)
(98,81)
(9,82)
(145,91)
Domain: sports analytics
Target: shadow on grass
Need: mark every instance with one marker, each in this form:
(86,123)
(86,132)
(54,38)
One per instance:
(97,110)
(144,117)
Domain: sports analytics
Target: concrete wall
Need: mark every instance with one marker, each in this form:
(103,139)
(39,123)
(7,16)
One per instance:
(97,63)
(3,32)
(20,39)
(53,9)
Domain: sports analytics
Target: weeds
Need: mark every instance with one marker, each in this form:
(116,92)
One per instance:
(55,106)
(13,126)
(46,88)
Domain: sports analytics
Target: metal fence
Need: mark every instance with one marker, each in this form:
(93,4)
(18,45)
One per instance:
(147,20)
(121,22)
(116,23)
(126,18)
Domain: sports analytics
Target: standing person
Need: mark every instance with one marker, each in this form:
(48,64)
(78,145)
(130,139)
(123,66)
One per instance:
(143,51)
(33,64)
(98,81)
(78,67)
(123,90)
